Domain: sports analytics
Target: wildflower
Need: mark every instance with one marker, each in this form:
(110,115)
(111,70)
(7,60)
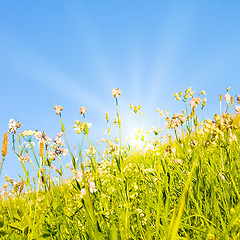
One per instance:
(5,185)
(204,102)
(24,159)
(58,141)
(79,175)
(160,112)
(173,150)
(115,122)
(82,110)
(12,126)
(168,119)
(38,135)
(191,93)
(116,92)
(227,97)
(53,167)
(237,108)
(177,96)
(52,154)
(64,152)
(58,109)
(59,134)
(92,186)
(222,176)
(91,150)
(4,145)
(194,142)
(83,192)
(7,178)
(178,161)
(202,92)
(182,118)
(28,133)
(188,90)
(238,99)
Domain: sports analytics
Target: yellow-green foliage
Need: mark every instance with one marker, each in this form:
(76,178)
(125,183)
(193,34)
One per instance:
(180,183)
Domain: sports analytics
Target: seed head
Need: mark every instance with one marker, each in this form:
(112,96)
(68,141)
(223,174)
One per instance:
(220,98)
(106,115)
(41,146)
(5,143)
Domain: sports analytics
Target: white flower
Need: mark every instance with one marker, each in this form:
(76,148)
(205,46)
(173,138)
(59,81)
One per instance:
(64,152)
(92,186)
(12,126)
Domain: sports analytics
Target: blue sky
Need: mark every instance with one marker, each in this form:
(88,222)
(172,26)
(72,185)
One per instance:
(73,53)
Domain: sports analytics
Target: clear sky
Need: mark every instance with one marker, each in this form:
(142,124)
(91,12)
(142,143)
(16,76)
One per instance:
(73,53)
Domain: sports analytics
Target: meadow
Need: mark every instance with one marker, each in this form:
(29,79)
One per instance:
(182,182)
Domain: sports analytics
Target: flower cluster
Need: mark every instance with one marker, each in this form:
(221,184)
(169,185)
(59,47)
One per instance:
(58,109)
(222,128)
(80,127)
(13,125)
(135,109)
(57,147)
(116,92)
(82,110)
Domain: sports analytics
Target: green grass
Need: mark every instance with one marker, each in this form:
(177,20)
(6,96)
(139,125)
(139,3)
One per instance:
(183,186)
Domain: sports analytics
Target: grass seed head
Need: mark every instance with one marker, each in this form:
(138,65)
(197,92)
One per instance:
(41,146)
(5,143)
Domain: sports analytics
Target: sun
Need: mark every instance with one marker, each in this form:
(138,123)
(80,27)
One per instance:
(138,139)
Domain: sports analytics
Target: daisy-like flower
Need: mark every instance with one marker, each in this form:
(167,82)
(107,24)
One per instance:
(58,141)
(178,161)
(83,192)
(82,110)
(24,159)
(116,92)
(58,109)
(52,154)
(92,186)
(64,152)
(237,108)
(12,126)
(38,135)
(79,175)
(227,97)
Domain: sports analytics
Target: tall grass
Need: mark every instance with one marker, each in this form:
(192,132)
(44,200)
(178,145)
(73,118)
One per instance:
(184,183)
